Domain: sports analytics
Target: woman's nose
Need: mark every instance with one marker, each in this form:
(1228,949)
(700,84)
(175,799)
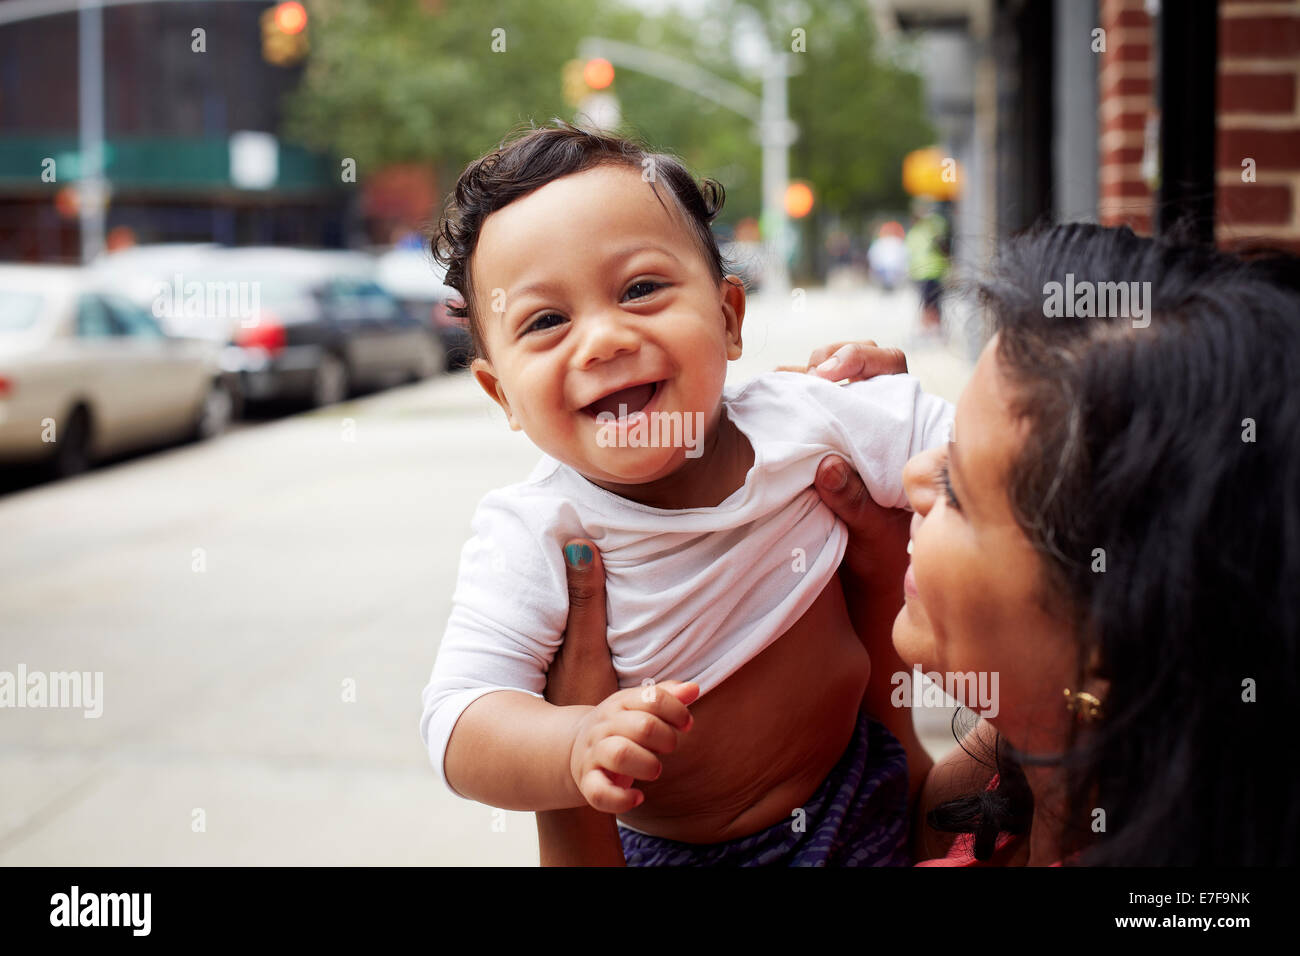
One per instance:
(920,477)
(605,337)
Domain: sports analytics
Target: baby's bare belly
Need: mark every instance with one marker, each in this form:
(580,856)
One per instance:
(766,737)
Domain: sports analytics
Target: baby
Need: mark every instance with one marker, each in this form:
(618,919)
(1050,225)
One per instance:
(603,322)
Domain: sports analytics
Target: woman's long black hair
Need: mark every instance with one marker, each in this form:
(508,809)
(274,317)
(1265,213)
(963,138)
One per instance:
(1168,455)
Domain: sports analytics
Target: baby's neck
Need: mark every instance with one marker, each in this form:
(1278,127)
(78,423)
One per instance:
(702,482)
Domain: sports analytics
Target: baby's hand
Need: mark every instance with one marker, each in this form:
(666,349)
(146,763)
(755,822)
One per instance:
(618,742)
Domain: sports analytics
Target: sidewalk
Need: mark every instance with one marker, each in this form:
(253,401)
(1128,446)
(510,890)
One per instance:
(227,735)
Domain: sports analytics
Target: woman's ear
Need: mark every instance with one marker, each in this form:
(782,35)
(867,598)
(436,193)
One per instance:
(733,313)
(487,380)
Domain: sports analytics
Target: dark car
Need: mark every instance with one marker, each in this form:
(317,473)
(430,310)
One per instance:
(320,327)
(416,279)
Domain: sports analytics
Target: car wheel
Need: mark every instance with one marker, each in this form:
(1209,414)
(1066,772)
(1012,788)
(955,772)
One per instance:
(215,413)
(331,384)
(72,448)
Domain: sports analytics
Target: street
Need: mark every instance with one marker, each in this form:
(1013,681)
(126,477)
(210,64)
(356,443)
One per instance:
(265,609)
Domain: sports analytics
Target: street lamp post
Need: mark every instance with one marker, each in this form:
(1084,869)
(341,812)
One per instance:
(92,194)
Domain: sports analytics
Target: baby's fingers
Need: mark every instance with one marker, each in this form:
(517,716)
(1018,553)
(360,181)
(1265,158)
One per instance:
(604,794)
(647,730)
(618,755)
(667,700)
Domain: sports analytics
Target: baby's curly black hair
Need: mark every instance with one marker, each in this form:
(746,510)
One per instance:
(532,157)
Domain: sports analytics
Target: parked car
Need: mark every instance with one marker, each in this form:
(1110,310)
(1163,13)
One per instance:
(300,325)
(416,279)
(85,373)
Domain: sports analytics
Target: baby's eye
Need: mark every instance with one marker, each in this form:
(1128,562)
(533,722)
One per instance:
(644,283)
(544,322)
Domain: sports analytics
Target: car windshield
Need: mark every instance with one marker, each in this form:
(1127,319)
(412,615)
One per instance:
(19,310)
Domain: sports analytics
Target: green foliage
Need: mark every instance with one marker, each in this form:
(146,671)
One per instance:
(418,80)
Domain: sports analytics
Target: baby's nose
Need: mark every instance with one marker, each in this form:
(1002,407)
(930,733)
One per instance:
(605,338)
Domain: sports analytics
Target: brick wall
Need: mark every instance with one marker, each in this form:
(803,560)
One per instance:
(1125,108)
(1259,119)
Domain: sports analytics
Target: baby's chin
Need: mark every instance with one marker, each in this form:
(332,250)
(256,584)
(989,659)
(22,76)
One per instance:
(630,466)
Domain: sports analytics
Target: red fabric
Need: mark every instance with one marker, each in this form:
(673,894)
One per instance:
(962,851)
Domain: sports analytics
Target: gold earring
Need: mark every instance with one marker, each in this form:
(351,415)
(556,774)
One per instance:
(1083,705)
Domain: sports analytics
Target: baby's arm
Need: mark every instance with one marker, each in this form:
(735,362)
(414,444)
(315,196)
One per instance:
(511,750)
(514,751)
(490,734)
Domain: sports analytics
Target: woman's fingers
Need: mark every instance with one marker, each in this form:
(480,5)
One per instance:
(844,492)
(820,355)
(582,671)
(873,529)
(858,361)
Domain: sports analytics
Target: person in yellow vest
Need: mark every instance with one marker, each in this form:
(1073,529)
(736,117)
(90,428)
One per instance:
(928,245)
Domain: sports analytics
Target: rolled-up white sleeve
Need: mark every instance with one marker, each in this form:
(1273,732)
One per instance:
(508,615)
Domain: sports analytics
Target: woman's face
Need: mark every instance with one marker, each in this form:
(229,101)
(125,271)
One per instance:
(973,594)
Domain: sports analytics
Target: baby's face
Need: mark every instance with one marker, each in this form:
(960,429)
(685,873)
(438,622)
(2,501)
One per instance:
(593,296)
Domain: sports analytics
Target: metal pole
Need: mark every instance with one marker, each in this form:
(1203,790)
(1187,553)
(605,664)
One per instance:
(90,114)
(775,132)
(769,114)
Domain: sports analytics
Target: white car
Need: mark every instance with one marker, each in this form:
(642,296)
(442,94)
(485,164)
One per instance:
(85,373)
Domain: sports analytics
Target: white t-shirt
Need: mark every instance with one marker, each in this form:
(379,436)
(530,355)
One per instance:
(691,594)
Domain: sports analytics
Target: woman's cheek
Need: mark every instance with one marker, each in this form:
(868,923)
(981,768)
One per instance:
(937,576)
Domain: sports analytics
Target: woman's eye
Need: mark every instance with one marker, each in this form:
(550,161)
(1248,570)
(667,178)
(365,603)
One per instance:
(644,283)
(547,321)
(946,478)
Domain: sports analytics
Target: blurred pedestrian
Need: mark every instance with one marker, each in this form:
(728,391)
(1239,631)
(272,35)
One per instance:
(887,256)
(928,245)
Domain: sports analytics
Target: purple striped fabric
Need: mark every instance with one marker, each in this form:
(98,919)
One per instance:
(857,817)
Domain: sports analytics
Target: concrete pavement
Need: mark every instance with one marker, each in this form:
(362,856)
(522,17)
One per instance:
(265,609)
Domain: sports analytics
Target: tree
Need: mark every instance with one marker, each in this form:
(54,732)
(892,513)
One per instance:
(443,82)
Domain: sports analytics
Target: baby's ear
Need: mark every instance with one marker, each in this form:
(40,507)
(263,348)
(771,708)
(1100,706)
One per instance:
(488,381)
(733,313)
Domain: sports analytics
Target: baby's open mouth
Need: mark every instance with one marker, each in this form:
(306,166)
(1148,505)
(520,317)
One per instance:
(626,401)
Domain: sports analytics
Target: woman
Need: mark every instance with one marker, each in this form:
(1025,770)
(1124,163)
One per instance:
(1115,534)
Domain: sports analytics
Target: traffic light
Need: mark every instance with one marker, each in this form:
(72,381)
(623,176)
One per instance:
(598,73)
(798,200)
(583,77)
(284,33)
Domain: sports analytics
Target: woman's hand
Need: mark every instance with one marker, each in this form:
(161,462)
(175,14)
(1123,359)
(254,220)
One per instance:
(582,673)
(852,360)
(871,573)
(876,557)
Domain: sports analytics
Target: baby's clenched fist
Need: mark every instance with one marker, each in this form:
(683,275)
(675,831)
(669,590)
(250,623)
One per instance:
(621,740)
